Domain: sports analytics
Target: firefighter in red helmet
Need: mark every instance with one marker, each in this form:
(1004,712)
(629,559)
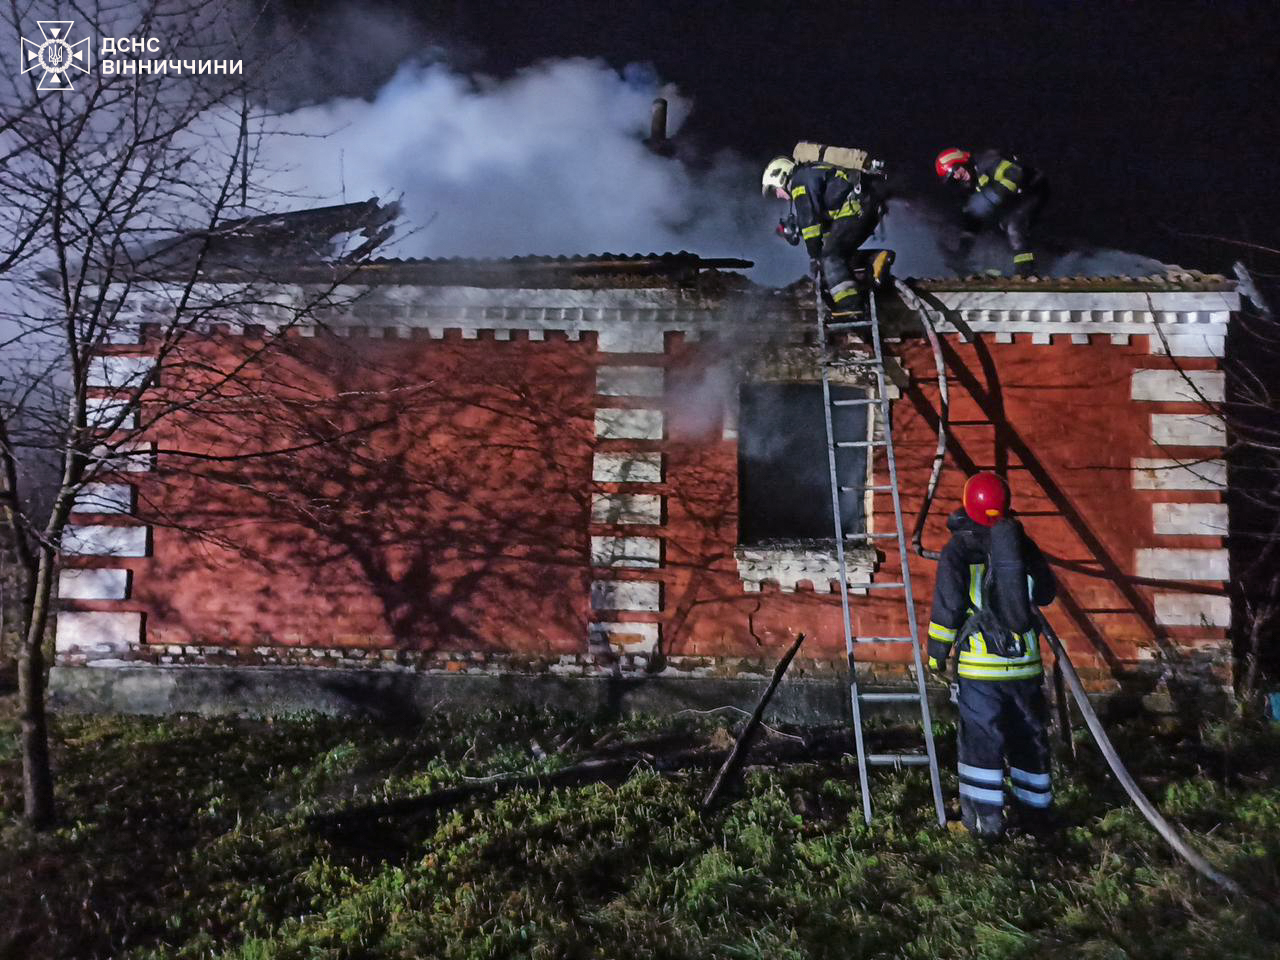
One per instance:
(1005,194)
(989,575)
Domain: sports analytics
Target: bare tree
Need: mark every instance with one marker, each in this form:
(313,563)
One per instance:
(133,188)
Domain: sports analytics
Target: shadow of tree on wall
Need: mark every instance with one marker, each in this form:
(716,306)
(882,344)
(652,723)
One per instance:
(980,379)
(413,493)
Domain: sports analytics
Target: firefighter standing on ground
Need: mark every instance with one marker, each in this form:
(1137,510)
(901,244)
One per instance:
(1005,194)
(1002,704)
(836,209)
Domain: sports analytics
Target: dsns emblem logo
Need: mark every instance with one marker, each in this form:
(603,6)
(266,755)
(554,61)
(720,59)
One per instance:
(55,56)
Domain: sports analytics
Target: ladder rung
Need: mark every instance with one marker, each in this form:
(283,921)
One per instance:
(883,640)
(898,759)
(889,697)
(867,536)
(859,402)
(848,325)
(846,444)
(846,313)
(880,586)
(854,363)
(879,488)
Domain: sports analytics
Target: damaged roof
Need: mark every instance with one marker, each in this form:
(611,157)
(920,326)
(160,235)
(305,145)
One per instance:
(334,243)
(341,234)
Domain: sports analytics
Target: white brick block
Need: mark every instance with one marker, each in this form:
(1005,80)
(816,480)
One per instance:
(131,457)
(613,424)
(1190,344)
(1188,430)
(118,373)
(1185,386)
(1193,519)
(1163,474)
(1161,563)
(630,338)
(626,508)
(93,584)
(102,412)
(626,552)
(98,632)
(625,637)
(640,595)
(627,468)
(1192,610)
(104,498)
(630,381)
(95,540)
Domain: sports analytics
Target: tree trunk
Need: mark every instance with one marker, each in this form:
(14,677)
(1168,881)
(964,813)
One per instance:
(37,777)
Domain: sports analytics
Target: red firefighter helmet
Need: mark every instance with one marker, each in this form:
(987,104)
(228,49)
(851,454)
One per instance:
(986,498)
(949,159)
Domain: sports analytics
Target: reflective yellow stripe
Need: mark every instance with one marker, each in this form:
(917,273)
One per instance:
(950,155)
(810,232)
(982,658)
(843,294)
(977,645)
(976,571)
(983,179)
(798,192)
(851,208)
(1023,257)
(938,632)
(1015,671)
(1001,170)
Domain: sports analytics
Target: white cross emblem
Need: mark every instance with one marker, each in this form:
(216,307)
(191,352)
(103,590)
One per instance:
(55,56)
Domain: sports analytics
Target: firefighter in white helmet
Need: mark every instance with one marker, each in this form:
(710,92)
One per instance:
(834,210)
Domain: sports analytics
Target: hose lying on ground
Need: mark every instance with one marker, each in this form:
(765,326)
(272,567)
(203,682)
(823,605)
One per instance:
(1148,809)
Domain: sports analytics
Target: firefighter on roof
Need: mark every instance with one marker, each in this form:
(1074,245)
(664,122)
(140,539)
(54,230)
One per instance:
(1005,194)
(835,209)
(986,575)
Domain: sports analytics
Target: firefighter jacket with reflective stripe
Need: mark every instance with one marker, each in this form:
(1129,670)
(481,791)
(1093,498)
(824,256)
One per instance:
(958,594)
(997,180)
(822,194)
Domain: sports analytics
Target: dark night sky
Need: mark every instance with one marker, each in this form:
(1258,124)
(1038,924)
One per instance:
(1151,119)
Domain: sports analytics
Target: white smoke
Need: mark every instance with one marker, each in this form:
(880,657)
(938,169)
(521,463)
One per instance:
(549,162)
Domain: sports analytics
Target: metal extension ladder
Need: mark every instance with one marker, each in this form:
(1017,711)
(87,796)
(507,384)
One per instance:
(861,320)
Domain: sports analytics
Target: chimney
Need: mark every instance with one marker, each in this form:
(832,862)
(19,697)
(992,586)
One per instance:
(657,140)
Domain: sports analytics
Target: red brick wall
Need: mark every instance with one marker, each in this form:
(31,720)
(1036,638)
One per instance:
(452,512)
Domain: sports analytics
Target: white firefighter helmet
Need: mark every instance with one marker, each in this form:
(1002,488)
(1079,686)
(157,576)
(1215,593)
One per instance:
(777,175)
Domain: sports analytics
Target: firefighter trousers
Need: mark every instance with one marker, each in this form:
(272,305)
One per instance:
(1002,722)
(839,250)
(1016,219)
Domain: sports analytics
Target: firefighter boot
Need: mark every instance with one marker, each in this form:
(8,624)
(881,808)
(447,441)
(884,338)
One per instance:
(982,820)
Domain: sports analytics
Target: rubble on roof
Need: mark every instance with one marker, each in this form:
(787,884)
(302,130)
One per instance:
(341,234)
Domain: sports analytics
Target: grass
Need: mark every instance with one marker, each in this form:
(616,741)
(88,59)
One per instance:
(192,838)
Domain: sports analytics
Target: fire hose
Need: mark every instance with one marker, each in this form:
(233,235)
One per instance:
(1064,670)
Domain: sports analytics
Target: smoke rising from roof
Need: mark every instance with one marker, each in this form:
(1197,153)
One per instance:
(547,162)
(551,162)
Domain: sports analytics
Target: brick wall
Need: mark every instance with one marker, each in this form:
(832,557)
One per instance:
(568,502)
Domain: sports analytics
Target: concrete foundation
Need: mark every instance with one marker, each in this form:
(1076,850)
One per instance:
(282,690)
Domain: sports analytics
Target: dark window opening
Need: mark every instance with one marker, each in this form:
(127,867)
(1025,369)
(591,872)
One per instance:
(784,490)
